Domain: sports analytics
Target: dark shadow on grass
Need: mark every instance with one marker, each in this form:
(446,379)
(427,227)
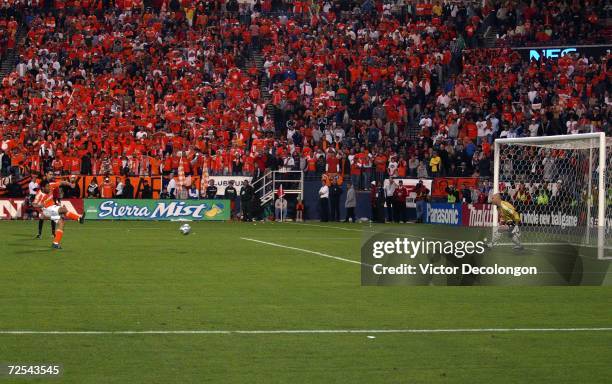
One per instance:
(23,236)
(32,250)
(23,248)
(33,243)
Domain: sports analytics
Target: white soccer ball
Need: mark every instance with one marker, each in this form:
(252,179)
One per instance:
(185,229)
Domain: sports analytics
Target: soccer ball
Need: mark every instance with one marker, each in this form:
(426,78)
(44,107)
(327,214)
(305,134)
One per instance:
(185,229)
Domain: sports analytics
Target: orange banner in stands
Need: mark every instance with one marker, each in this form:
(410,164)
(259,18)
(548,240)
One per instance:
(441,183)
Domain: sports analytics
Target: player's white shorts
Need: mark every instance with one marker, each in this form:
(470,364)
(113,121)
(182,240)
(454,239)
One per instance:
(52,213)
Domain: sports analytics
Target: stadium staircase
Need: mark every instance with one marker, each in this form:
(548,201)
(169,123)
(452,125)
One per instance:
(413,132)
(264,88)
(267,185)
(489,37)
(9,61)
(257,59)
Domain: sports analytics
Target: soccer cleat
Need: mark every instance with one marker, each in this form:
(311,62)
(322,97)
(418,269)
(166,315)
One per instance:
(38,237)
(82,218)
(518,247)
(56,246)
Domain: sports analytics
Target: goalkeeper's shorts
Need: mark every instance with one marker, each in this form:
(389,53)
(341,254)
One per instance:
(514,230)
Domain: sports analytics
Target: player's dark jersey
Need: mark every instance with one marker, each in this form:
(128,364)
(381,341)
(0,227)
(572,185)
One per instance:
(230,193)
(211,192)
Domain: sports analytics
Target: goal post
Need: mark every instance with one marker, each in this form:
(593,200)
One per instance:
(561,185)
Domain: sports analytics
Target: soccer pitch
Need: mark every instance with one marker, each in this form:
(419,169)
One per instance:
(137,302)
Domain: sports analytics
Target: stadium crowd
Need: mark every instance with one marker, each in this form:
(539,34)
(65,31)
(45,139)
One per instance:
(8,28)
(367,89)
(560,22)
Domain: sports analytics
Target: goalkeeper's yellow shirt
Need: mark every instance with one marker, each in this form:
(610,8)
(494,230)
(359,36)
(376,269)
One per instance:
(508,213)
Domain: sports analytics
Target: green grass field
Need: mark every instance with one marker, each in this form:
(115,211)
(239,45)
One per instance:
(146,276)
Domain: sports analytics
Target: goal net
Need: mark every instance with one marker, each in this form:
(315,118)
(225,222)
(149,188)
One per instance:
(562,188)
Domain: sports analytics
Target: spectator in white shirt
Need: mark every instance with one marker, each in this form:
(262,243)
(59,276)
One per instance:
(324,202)
(119,189)
(443,99)
(280,209)
(32,187)
(483,131)
(306,89)
(533,127)
(171,187)
(425,122)
(494,123)
(392,167)
(572,126)
(288,163)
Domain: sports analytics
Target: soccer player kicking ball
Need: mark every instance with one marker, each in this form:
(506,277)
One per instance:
(55,212)
(508,222)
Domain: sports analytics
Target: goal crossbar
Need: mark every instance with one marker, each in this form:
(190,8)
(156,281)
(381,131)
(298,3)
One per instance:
(545,139)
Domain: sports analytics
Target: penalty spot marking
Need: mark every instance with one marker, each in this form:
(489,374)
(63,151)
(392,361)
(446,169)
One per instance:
(302,250)
(311,331)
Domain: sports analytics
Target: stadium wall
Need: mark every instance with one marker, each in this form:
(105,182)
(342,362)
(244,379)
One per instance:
(481,215)
(165,210)
(311,203)
(15,209)
(461,214)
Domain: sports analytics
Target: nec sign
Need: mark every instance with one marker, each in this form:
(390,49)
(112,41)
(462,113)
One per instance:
(551,53)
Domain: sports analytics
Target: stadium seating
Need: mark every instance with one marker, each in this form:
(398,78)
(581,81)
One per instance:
(550,23)
(365,89)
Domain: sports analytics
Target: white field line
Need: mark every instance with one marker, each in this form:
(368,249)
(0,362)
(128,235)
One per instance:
(302,250)
(438,238)
(354,261)
(536,244)
(308,236)
(308,331)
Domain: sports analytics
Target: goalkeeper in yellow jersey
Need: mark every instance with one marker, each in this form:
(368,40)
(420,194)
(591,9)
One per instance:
(509,222)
